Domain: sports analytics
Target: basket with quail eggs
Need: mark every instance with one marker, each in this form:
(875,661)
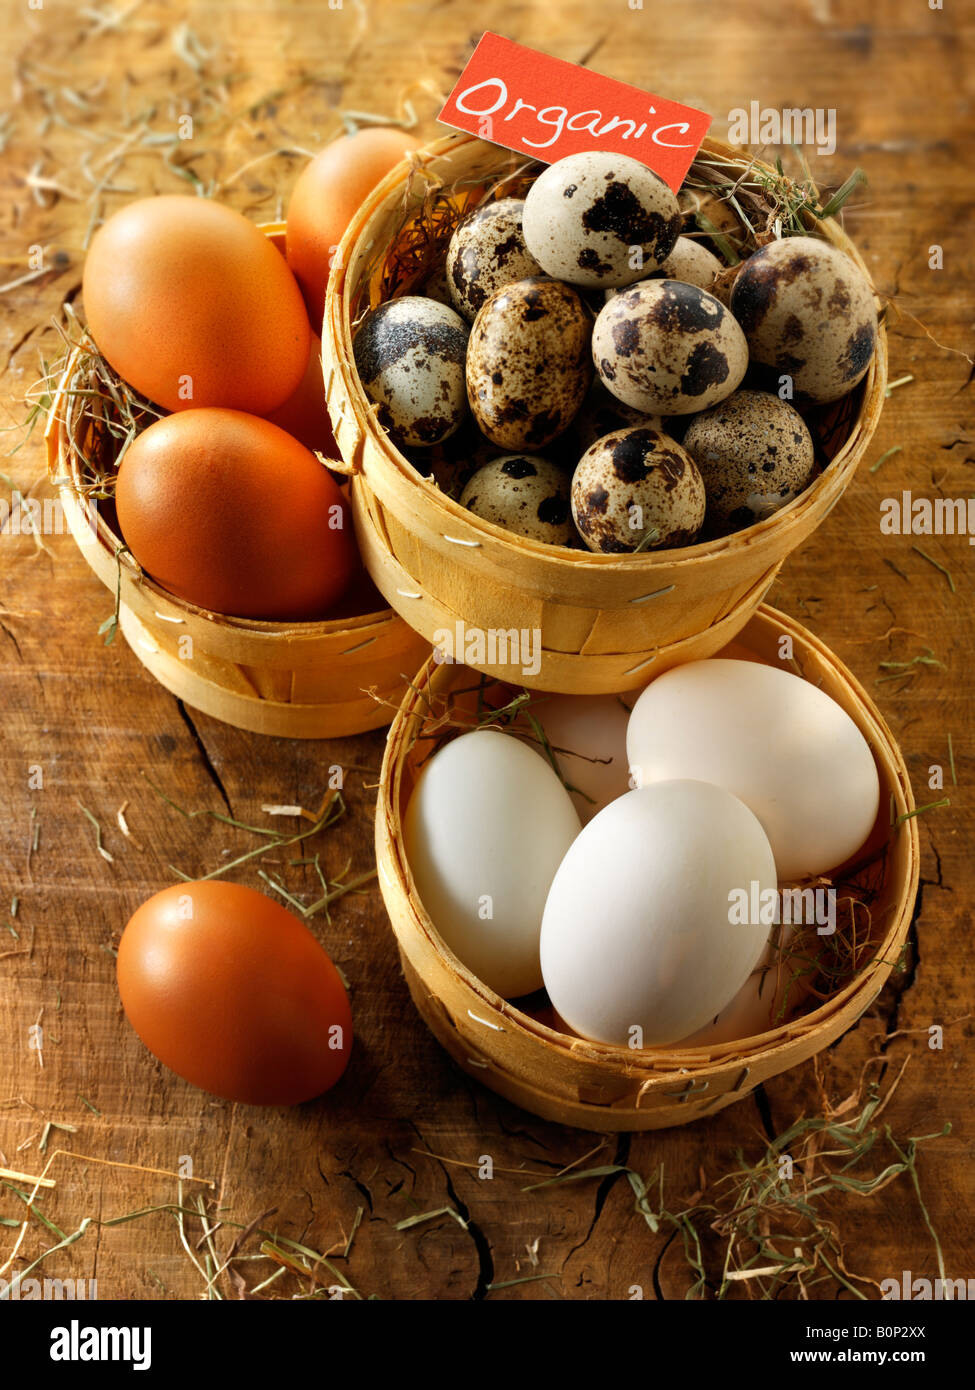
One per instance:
(577,405)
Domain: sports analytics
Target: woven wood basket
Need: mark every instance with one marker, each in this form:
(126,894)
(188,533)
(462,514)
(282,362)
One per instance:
(596,1086)
(602,618)
(298,680)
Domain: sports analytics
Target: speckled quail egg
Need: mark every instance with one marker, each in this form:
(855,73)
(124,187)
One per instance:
(600,219)
(525,494)
(601,413)
(529,362)
(410,354)
(451,464)
(809,313)
(663,346)
(691,262)
(436,286)
(637,488)
(706,212)
(755,455)
(486,252)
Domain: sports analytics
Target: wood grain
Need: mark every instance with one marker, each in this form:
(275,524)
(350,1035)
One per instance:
(99,729)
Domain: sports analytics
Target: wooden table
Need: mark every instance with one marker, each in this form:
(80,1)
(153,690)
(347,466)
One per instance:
(85,726)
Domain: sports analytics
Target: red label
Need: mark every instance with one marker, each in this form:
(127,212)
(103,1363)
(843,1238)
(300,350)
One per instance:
(547,108)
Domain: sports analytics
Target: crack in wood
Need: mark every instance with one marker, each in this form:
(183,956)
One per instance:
(485,1258)
(205,758)
(360,1187)
(906,982)
(620,1159)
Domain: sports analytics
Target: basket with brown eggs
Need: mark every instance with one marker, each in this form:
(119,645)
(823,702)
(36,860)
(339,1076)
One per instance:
(225,540)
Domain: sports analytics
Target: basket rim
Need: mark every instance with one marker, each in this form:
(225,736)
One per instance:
(338,321)
(62,473)
(663,1065)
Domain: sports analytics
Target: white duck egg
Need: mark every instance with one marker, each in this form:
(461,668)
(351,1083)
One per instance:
(587,737)
(781,744)
(767,999)
(640,940)
(486,827)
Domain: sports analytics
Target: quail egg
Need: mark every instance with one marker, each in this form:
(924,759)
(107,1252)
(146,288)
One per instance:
(637,489)
(436,286)
(600,219)
(410,354)
(691,262)
(453,463)
(664,346)
(486,252)
(525,494)
(712,214)
(755,455)
(529,363)
(601,413)
(809,313)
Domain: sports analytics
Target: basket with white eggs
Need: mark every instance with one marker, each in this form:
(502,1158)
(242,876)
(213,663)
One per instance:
(624,913)
(573,403)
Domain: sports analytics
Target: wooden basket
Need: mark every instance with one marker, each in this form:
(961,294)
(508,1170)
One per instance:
(298,680)
(597,1086)
(601,618)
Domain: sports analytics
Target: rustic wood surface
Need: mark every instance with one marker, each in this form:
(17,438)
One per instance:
(84,725)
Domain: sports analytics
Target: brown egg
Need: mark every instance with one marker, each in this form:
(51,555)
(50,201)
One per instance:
(637,489)
(234,994)
(234,515)
(360,598)
(809,313)
(304,414)
(194,307)
(528,363)
(328,194)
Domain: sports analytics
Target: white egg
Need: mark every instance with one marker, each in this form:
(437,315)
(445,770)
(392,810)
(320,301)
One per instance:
(486,827)
(783,746)
(639,930)
(767,999)
(587,738)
